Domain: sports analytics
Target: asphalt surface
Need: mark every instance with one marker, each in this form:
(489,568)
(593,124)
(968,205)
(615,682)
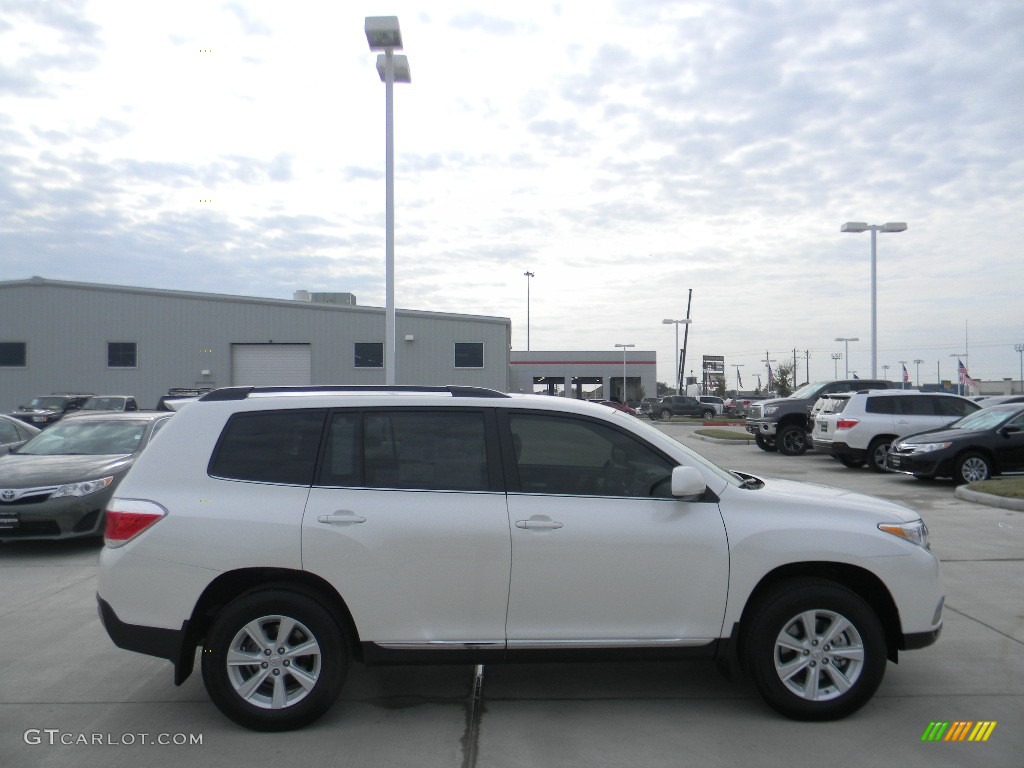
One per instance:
(68,697)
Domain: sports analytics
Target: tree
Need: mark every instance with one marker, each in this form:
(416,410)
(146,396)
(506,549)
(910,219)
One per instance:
(784,376)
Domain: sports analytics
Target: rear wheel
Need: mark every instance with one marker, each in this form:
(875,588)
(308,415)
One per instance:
(665,413)
(815,650)
(274,660)
(791,440)
(852,463)
(878,452)
(972,468)
(709,414)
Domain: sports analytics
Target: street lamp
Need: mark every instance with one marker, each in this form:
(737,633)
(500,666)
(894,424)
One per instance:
(836,357)
(1020,351)
(885,371)
(860,226)
(528,275)
(624,348)
(848,340)
(383,34)
(677,323)
(918,364)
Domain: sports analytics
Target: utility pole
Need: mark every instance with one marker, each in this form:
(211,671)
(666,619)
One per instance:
(807,365)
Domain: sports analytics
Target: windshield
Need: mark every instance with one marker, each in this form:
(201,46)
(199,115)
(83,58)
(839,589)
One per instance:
(104,404)
(95,438)
(47,403)
(986,418)
(809,390)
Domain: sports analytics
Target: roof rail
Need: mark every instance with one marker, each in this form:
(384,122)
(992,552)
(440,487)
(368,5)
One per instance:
(241,393)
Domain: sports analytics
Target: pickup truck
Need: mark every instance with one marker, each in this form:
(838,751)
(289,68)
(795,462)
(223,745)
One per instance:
(681,405)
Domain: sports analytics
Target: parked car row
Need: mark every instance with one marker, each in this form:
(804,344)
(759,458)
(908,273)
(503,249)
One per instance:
(923,434)
(45,410)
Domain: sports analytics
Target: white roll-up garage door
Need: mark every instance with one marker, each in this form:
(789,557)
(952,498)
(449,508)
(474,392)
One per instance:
(271,364)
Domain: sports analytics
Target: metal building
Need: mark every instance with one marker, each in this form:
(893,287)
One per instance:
(574,374)
(58,336)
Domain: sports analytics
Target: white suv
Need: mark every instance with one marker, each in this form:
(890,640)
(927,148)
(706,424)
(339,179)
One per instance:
(860,428)
(291,531)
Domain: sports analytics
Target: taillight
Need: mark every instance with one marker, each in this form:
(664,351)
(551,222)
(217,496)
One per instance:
(847,423)
(127,518)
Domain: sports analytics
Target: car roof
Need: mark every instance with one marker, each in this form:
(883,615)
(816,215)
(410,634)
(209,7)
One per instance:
(122,416)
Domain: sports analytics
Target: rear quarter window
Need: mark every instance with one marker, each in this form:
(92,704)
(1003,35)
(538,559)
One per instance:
(269,447)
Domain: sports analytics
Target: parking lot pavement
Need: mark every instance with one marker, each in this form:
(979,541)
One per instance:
(64,681)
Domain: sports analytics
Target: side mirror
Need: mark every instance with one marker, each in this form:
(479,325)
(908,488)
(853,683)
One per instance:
(687,482)
(1010,430)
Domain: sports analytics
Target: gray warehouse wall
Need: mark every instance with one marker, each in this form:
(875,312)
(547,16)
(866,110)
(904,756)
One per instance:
(67,327)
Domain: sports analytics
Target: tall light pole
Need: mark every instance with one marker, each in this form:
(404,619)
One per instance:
(528,275)
(1020,351)
(836,357)
(677,323)
(885,372)
(383,34)
(848,340)
(624,348)
(918,364)
(860,226)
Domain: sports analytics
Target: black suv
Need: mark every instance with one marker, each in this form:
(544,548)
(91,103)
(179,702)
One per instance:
(681,405)
(46,409)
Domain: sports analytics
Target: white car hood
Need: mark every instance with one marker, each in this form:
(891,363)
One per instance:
(825,499)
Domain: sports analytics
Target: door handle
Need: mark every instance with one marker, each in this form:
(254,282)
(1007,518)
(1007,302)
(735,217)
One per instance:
(340,518)
(541,524)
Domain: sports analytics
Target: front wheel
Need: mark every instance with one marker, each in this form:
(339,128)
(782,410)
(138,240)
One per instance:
(972,468)
(815,650)
(709,414)
(666,413)
(792,440)
(274,660)
(764,443)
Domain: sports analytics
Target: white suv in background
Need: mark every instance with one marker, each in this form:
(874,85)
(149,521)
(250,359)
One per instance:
(289,532)
(860,427)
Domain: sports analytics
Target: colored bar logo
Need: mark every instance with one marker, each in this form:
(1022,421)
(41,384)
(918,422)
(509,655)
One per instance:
(959,730)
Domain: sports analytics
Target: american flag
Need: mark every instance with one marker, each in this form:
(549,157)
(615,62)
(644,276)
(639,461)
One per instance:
(739,381)
(906,376)
(965,377)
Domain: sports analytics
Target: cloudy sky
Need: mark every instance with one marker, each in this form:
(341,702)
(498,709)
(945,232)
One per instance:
(625,152)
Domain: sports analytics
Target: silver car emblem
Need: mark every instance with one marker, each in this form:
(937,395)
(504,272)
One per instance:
(7,495)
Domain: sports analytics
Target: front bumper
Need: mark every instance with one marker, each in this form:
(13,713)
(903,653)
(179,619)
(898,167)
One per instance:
(763,428)
(925,465)
(64,518)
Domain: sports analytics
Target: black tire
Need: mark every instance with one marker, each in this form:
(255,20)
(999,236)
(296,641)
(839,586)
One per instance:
(849,461)
(971,467)
(791,440)
(299,687)
(665,413)
(764,443)
(709,414)
(795,666)
(878,451)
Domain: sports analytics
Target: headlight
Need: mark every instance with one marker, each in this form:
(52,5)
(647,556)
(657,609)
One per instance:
(769,410)
(83,488)
(915,532)
(922,447)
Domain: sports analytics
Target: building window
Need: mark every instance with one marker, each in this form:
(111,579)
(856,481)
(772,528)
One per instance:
(469,354)
(369,354)
(13,354)
(122,354)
